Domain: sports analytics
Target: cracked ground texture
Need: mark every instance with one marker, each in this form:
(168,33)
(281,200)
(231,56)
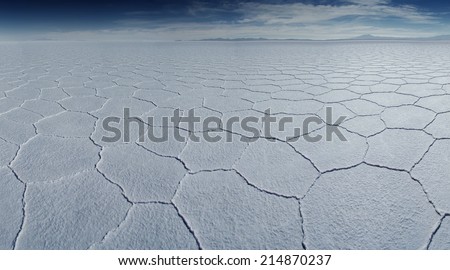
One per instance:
(386,187)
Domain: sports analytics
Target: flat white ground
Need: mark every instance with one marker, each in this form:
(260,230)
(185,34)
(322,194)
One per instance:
(386,187)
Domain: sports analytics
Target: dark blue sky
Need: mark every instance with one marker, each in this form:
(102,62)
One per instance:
(179,19)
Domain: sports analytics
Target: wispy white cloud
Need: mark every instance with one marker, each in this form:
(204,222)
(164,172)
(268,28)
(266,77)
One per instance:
(300,13)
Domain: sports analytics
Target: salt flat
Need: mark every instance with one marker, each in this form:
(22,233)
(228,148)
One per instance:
(386,186)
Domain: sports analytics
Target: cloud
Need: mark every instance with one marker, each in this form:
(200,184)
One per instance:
(300,13)
(368,2)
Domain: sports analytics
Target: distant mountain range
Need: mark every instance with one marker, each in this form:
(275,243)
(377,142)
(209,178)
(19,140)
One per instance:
(362,38)
(371,37)
(252,39)
(358,38)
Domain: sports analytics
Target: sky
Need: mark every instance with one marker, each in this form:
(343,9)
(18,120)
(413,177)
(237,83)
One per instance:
(192,20)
